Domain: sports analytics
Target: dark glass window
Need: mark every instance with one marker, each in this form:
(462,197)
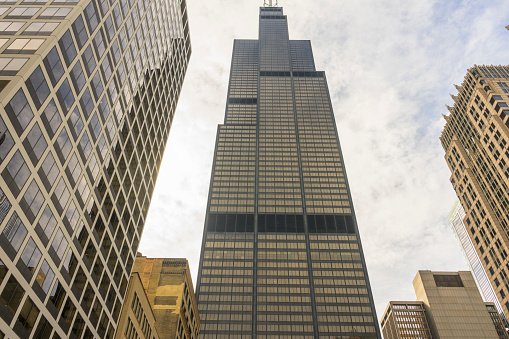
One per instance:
(43,330)
(80,31)
(45,276)
(61,193)
(447,280)
(110,29)
(65,95)
(106,69)
(89,60)
(6,141)
(97,85)
(59,243)
(33,199)
(112,91)
(38,87)
(117,15)
(72,215)
(31,255)
(35,144)
(91,17)
(78,77)
(57,295)
(28,315)
(87,103)
(99,45)
(76,122)
(5,207)
(67,46)
(79,325)
(12,294)
(15,231)
(104,6)
(85,145)
(47,222)
(51,171)
(95,126)
(68,311)
(20,111)
(123,39)
(104,108)
(63,144)
(54,66)
(51,118)
(16,173)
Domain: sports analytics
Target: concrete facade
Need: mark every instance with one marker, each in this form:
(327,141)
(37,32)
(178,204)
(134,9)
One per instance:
(448,306)
(170,292)
(476,139)
(136,318)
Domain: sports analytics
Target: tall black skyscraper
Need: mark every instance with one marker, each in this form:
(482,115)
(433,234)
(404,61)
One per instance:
(281,254)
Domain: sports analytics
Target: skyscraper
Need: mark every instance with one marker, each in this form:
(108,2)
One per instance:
(475,140)
(281,255)
(88,92)
(455,218)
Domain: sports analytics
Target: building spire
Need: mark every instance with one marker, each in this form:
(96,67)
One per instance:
(269,3)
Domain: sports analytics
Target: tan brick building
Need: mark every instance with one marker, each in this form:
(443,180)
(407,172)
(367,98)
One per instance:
(137,319)
(170,292)
(448,305)
(475,138)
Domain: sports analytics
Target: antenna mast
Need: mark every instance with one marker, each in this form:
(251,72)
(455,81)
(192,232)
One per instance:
(268,3)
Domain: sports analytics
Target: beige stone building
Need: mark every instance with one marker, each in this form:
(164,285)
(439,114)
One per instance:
(137,319)
(476,139)
(448,305)
(170,292)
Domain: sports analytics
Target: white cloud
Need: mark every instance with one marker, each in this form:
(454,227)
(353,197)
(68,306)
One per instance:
(390,66)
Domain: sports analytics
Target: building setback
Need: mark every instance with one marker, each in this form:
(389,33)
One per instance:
(448,305)
(475,140)
(281,253)
(170,292)
(88,90)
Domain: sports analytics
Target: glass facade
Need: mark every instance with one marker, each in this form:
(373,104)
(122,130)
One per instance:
(88,90)
(406,320)
(281,254)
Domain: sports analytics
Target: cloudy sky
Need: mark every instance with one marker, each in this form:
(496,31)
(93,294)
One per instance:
(390,66)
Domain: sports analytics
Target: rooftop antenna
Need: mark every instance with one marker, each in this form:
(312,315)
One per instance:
(269,3)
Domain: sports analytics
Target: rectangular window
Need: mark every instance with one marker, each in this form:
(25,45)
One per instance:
(57,295)
(51,118)
(35,144)
(54,66)
(75,122)
(85,146)
(74,167)
(55,13)
(67,47)
(97,85)
(41,28)
(10,27)
(28,315)
(11,66)
(99,45)
(12,294)
(87,103)
(33,199)
(95,126)
(5,207)
(23,12)
(78,77)
(24,46)
(20,112)
(65,96)
(15,231)
(89,60)
(16,173)
(47,222)
(80,31)
(59,243)
(61,194)
(91,17)
(50,170)
(38,87)
(31,255)
(64,145)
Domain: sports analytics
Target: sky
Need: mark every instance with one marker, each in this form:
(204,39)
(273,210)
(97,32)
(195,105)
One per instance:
(390,67)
